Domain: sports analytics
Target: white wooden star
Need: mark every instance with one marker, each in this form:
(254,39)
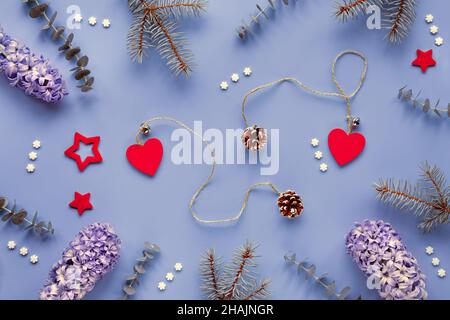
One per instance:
(318,155)
(323,167)
(178,267)
(30,168)
(235,77)
(106,23)
(32,156)
(162,286)
(169,276)
(34,259)
(36,144)
(23,251)
(441,273)
(439,41)
(429,250)
(434,29)
(248,71)
(11,245)
(224,85)
(435,262)
(78,18)
(429,18)
(315,142)
(92,21)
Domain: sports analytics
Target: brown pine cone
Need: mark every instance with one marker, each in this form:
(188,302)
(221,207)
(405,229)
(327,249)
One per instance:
(290,204)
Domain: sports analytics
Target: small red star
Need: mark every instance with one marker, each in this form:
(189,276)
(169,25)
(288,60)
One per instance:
(424,60)
(81,202)
(71,151)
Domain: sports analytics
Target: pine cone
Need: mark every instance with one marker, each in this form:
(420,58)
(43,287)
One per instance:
(290,204)
(254,138)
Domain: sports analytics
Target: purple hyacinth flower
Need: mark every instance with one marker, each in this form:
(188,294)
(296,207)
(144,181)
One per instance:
(379,252)
(93,253)
(30,72)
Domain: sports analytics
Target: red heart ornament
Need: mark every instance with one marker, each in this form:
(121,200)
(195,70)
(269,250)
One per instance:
(345,147)
(146,158)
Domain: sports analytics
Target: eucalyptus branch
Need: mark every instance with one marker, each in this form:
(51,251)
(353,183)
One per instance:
(425,104)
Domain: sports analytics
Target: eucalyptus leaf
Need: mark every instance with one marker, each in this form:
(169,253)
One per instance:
(3,203)
(139,269)
(19,217)
(129,290)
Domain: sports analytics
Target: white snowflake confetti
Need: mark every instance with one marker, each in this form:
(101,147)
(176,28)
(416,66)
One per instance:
(32,156)
(315,142)
(434,29)
(248,72)
(78,18)
(429,250)
(106,23)
(36,144)
(30,168)
(169,276)
(435,262)
(224,85)
(429,18)
(235,77)
(11,245)
(162,286)
(318,155)
(23,251)
(441,273)
(439,41)
(92,21)
(34,259)
(323,167)
(178,266)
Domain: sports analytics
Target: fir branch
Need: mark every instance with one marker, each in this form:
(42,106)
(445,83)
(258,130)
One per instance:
(400,15)
(210,266)
(430,199)
(407,95)
(182,8)
(149,252)
(322,280)
(19,217)
(353,8)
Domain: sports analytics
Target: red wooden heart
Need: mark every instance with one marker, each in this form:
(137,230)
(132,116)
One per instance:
(345,147)
(146,158)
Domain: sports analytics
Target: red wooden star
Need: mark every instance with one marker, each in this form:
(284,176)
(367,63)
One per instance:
(424,60)
(71,151)
(81,202)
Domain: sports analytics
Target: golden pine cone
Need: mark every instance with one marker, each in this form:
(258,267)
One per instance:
(290,204)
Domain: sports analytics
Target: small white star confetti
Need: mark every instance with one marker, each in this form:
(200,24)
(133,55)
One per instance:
(248,72)
(30,168)
(235,77)
(439,41)
(323,167)
(441,273)
(314,142)
(92,21)
(429,250)
(224,85)
(32,156)
(23,251)
(178,266)
(318,155)
(169,276)
(429,18)
(78,18)
(435,262)
(434,29)
(106,23)
(34,259)
(11,245)
(36,144)
(162,286)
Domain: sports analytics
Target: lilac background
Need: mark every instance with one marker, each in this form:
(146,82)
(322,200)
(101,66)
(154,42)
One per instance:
(300,42)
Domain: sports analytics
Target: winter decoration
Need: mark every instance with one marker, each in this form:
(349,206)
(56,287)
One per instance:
(80,72)
(224,85)
(439,41)
(71,152)
(29,72)
(290,204)
(323,280)
(236,280)
(435,262)
(345,147)
(93,253)
(315,142)
(378,251)
(246,27)
(247,71)
(398,15)
(149,253)
(441,273)
(429,250)
(36,144)
(169,276)
(147,157)
(23,251)
(34,259)
(254,138)
(323,167)
(81,202)
(424,60)
(155,25)
(30,168)
(20,218)
(430,199)
(425,105)
(11,245)
(178,267)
